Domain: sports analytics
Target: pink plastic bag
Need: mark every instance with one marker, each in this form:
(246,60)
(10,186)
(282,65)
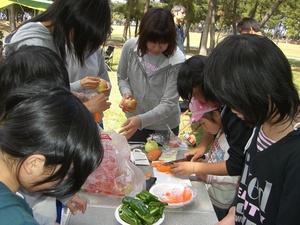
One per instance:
(116,175)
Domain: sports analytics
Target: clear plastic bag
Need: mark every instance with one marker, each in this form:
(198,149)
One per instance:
(116,175)
(169,140)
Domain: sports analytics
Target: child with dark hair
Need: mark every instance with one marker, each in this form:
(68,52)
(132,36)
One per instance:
(42,133)
(16,71)
(251,75)
(147,71)
(190,85)
(221,189)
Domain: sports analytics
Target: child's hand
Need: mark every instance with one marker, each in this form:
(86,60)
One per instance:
(182,168)
(98,103)
(77,203)
(229,219)
(197,152)
(89,82)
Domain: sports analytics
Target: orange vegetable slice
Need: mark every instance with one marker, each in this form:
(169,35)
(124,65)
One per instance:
(158,165)
(173,197)
(187,194)
(148,175)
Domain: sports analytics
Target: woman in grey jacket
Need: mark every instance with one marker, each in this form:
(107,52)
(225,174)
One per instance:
(148,71)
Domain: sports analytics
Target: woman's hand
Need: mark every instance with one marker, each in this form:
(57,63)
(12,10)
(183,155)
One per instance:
(98,104)
(182,168)
(77,203)
(130,126)
(126,96)
(89,82)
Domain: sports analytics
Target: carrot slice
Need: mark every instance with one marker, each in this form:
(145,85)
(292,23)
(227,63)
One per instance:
(148,175)
(158,165)
(187,194)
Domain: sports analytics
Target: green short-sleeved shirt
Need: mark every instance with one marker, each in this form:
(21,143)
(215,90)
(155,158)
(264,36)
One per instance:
(13,209)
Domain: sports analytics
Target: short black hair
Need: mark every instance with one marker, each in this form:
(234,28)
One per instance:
(30,63)
(245,25)
(251,75)
(190,76)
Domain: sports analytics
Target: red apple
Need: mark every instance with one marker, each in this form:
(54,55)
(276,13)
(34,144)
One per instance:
(103,86)
(129,104)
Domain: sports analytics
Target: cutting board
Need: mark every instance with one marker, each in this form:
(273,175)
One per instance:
(162,177)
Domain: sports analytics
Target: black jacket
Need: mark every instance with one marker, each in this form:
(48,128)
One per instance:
(237,134)
(269,191)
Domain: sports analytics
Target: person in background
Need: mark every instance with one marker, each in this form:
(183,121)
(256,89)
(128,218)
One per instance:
(147,72)
(221,189)
(16,71)
(178,12)
(74,29)
(190,84)
(39,157)
(251,75)
(248,26)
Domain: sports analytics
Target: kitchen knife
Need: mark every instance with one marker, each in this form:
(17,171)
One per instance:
(188,158)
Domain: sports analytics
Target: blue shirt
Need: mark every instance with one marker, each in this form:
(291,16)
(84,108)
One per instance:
(13,209)
(180,37)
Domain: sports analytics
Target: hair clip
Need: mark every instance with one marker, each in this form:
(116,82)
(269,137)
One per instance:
(296,126)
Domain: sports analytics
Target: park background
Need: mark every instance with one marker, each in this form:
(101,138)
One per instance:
(113,118)
(279,21)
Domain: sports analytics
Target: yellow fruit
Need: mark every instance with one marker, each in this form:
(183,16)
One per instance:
(151,145)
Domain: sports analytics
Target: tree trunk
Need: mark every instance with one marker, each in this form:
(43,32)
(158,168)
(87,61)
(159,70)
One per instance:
(146,5)
(207,27)
(212,33)
(127,25)
(270,12)
(234,16)
(12,19)
(136,28)
(253,11)
(187,35)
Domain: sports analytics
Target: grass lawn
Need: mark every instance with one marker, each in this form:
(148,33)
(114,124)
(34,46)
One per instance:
(114,117)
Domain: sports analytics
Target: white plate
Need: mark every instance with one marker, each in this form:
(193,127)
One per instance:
(124,223)
(160,191)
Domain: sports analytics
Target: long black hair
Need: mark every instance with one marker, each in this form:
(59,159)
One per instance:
(46,119)
(89,22)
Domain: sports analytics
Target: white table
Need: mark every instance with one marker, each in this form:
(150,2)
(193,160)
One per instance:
(101,209)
